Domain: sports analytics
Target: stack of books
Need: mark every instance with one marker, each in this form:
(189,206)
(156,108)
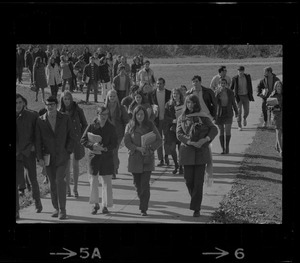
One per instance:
(148,138)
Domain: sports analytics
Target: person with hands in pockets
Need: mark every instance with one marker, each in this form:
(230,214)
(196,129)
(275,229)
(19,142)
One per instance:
(195,130)
(141,158)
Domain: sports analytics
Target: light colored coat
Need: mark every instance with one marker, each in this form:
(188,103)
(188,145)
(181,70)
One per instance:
(53,75)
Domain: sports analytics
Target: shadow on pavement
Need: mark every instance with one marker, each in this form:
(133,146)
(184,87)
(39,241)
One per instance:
(278,159)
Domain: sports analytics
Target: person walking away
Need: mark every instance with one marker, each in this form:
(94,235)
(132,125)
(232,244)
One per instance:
(39,77)
(91,78)
(79,124)
(276,110)
(53,76)
(118,116)
(264,88)
(55,140)
(141,158)
(20,65)
(29,62)
(104,77)
(160,96)
(173,109)
(66,73)
(103,140)
(78,70)
(214,84)
(225,107)
(121,83)
(25,150)
(195,130)
(242,88)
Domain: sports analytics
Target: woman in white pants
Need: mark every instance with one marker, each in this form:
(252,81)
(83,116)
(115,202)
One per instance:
(100,138)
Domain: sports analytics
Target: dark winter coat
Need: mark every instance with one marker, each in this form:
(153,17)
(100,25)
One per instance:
(29,60)
(231,105)
(109,140)
(104,73)
(39,76)
(190,155)
(59,143)
(79,125)
(263,84)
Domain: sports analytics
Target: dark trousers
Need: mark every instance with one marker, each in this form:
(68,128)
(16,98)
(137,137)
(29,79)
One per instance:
(31,74)
(94,85)
(54,90)
(194,178)
(141,182)
(29,163)
(19,170)
(121,94)
(57,181)
(161,129)
(264,109)
(19,73)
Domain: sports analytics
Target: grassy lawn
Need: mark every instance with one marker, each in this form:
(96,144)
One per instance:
(256,194)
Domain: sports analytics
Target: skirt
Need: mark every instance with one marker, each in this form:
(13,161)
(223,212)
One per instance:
(224,118)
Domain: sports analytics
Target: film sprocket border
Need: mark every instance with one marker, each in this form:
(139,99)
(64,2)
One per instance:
(189,23)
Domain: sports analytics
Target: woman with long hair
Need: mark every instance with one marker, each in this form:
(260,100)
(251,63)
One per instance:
(53,76)
(195,130)
(70,107)
(39,77)
(173,109)
(225,106)
(139,99)
(141,157)
(119,118)
(100,138)
(277,114)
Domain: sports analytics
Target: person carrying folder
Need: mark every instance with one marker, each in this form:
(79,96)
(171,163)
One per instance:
(141,158)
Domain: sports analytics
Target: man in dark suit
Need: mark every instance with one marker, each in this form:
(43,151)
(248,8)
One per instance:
(242,87)
(159,97)
(25,150)
(55,138)
(91,76)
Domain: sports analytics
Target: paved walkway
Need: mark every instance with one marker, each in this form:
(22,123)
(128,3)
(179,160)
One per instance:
(169,200)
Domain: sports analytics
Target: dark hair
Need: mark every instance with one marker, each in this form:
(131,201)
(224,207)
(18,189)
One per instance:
(221,69)
(133,88)
(62,103)
(181,100)
(269,69)
(222,79)
(18,95)
(134,103)
(134,123)
(147,61)
(197,77)
(195,99)
(162,79)
(52,99)
(183,86)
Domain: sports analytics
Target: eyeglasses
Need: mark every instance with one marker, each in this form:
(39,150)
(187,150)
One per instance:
(50,104)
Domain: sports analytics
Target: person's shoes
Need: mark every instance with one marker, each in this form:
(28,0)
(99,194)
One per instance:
(264,124)
(240,129)
(95,209)
(161,163)
(69,193)
(28,186)
(75,193)
(114,176)
(38,207)
(62,215)
(180,169)
(223,151)
(17,215)
(167,160)
(196,213)
(245,122)
(55,213)
(105,210)
(144,213)
(175,170)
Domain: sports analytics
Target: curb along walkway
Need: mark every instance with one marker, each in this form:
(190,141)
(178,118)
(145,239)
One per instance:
(169,200)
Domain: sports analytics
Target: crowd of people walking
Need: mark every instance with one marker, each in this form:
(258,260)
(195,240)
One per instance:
(137,109)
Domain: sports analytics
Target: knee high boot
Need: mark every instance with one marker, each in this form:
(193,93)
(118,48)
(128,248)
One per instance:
(228,137)
(174,157)
(222,137)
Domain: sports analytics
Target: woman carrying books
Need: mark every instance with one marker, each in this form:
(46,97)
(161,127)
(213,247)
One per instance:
(101,139)
(141,157)
(196,131)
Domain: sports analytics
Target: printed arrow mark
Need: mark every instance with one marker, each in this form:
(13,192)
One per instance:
(222,253)
(70,253)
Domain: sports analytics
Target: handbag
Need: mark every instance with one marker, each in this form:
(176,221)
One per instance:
(33,88)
